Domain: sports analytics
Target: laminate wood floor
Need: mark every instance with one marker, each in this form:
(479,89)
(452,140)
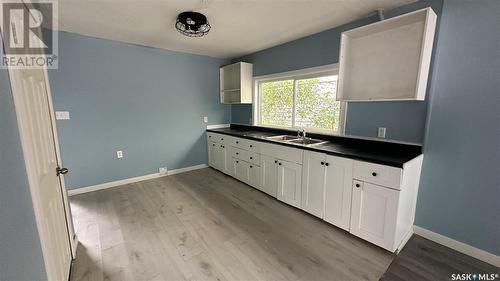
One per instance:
(422,259)
(203,225)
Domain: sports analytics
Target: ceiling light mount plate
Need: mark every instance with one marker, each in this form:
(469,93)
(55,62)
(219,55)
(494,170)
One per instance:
(192,24)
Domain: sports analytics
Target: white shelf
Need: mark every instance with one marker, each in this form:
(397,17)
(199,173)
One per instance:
(387,60)
(236,83)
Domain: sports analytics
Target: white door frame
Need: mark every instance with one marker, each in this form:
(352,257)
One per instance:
(73,241)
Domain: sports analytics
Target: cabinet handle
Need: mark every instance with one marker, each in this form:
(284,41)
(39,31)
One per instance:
(275,161)
(279,163)
(237,142)
(251,167)
(209,137)
(213,144)
(221,139)
(251,145)
(374,174)
(322,163)
(237,153)
(357,185)
(237,162)
(251,157)
(327,164)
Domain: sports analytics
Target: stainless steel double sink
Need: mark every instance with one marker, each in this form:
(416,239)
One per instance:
(297,140)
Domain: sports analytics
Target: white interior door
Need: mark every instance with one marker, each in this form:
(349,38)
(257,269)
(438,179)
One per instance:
(32,102)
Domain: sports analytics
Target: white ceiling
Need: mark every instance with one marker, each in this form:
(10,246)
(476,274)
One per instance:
(238,27)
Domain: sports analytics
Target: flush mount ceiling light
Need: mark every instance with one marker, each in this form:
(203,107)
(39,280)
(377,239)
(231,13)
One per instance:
(192,24)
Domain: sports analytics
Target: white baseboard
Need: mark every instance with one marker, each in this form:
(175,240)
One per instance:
(106,185)
(218,126)
(458,246)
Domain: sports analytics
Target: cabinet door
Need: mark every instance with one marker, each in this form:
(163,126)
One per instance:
(241,170)
(374,213)
(269,175)
(289,182)
(313,183)
(254,176)
(225,159)
(338,190)
(213,154)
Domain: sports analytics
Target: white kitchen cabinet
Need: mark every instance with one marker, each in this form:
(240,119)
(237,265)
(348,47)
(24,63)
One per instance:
(326,187)
(236,82)
(225,159)
(214,157)
(269,175)
(387,60)
(290,183)
(254,176)
(338,190)
(241,170)
(374,213)
(313,183)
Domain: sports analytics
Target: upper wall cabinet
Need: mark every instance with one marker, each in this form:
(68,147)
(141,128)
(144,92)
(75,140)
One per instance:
(387,60)
(236,83)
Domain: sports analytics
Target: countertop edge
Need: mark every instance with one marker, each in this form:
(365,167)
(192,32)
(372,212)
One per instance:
(346,155)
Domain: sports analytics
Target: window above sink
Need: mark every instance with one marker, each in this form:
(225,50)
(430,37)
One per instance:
(302,99)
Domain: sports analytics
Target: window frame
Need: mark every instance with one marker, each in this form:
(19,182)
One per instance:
(325,70)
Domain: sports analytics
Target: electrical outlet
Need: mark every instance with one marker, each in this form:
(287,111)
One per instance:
(162,170)
(381,132)
(62,115)
(119,154)
(205,119)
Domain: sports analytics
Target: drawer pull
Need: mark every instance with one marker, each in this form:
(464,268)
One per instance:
(251,167)
(237,142)
(322,163)
(251,157)
(213,144)
(237,153)
(275,161)
(327,164)
(251,145)
(357,185)
(279,163)
(374,174)
(237,162)
(222,139)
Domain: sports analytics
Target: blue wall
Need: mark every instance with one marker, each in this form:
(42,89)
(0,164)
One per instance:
(144,101)
(404,120)
(460,184)
(21,254)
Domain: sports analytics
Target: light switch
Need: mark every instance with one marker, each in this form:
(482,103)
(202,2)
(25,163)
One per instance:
(119,154)
(205,119)
(62,115)
(381,132)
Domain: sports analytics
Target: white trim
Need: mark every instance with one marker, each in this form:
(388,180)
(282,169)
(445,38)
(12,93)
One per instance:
(218,126)
(458,246)
(107,185)
(405,240)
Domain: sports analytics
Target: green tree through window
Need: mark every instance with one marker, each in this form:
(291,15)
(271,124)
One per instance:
(303,103)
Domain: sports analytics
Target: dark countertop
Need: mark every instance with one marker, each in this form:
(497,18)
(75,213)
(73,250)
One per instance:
(380,152)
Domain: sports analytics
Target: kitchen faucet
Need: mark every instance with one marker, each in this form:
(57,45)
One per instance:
(301,132)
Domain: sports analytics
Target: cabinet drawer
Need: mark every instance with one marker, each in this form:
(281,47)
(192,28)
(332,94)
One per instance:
(282,152)
(378,174)
(219,138)
(252,158)
(239,153)
(237,142)
(253,146)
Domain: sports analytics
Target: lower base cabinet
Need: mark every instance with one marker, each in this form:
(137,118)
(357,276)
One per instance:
(269,175)
(374,214)
(246,172)
(289,183)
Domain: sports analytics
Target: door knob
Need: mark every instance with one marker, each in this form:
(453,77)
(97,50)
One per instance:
(61,171)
